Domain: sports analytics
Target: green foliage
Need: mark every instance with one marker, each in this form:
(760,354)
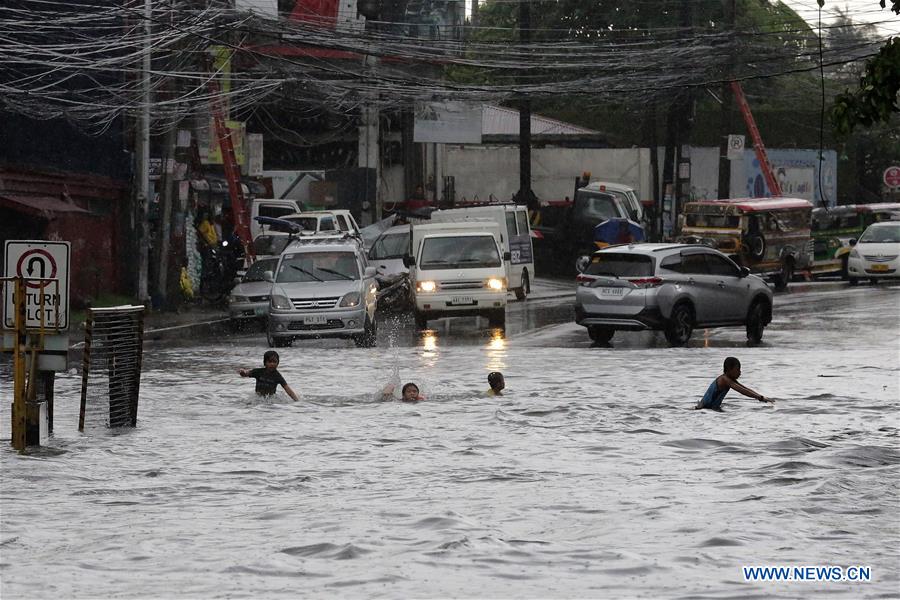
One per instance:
(876,98)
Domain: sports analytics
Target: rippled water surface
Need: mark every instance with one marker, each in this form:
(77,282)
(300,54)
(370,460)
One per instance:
(590,478)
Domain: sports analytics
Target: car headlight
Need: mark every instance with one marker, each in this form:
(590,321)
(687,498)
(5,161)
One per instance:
(426,286)
(495,283)
(238,299)
(854,253)
(350,300)
(280,302)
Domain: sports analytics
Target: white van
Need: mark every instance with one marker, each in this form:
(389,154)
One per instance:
(515,238)
(458,269)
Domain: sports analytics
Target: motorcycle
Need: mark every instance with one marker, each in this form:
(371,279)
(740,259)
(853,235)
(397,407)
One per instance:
(394,292)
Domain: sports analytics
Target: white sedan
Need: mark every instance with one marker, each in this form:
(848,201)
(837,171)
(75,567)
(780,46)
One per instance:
(876,255)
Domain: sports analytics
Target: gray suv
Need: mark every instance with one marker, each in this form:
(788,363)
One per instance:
(669,287)
(322,287)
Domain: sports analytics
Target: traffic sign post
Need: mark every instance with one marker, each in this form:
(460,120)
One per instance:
(891,177)
(735,147)
(45,266)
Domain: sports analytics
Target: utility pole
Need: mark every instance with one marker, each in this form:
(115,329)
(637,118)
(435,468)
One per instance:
(143,166)
(525,194)
(727,121)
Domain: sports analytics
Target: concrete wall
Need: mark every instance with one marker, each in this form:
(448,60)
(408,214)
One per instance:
(485,170)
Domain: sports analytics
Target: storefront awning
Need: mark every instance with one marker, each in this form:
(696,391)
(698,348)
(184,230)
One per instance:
(39,205)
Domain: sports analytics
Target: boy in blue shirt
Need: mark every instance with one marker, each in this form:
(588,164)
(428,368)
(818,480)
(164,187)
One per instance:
(716,391)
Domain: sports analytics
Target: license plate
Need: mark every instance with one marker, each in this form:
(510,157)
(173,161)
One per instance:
(612,291)
(462,300)
(315,320)
(261,311)
(879,268)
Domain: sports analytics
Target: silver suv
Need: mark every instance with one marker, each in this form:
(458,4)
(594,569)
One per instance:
(669,287)
(322,287)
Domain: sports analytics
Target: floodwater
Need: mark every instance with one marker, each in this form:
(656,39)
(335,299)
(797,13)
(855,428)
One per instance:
(591,477)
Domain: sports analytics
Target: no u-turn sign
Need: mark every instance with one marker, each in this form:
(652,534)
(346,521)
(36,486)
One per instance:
(46,300)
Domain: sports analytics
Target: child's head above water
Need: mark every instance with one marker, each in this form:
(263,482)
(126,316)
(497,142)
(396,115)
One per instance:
(270,359)
(496,381)
(410,392)
(732,367)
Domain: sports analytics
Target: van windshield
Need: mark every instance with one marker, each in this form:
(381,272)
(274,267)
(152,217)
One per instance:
(620,265)
(393,245)
(597,206)
(258,269)
(462,252)
(269,245)
(317,266)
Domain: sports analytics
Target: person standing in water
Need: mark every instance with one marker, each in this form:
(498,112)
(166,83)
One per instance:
(267,377)
(717,390)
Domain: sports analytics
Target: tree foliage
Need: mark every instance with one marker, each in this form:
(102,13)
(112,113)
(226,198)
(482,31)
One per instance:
(876,98)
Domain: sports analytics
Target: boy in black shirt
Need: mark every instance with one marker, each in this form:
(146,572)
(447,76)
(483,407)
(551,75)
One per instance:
(268,377)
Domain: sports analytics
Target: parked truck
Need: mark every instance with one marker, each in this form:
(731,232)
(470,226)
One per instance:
(600,214)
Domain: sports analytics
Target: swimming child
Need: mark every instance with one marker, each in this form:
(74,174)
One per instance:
(716,391)
(497,383)
(267,378)
(409,392)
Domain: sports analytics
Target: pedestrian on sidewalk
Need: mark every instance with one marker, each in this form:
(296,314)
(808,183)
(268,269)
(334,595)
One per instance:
(717,390)
(268,378)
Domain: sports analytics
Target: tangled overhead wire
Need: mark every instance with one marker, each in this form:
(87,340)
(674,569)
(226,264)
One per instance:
(82,61)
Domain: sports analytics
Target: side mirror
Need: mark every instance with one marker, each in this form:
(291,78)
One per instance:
(370,272)
(507,255)
(853,241)
(269,276)
(744,271)
(409,261)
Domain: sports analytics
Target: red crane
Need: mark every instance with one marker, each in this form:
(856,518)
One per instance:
(761,155)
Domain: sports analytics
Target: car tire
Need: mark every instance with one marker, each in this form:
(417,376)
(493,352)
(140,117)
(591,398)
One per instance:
(421,320)
(369,338)
(600,334)
(497,318)
(277,342)
(756,321)
(522,292)
(845,272)
(680,325)
(853,281)
(786,275)
(757,246)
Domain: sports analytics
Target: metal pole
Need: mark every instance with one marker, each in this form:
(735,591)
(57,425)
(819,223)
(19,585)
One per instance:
(18,409)
(524,196)
(143,170)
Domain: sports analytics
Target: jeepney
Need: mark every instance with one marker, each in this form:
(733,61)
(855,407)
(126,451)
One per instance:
(833,228)
(770,236)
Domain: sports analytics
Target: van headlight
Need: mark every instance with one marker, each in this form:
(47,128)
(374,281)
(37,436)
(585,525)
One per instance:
(496,283)
(426,286)
(280,302)
(350,300)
